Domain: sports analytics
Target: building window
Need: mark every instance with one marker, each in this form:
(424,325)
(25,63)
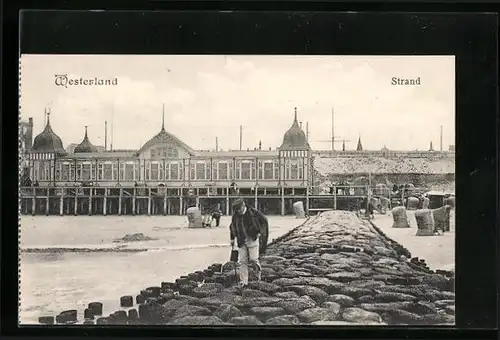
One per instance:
(99,171)
(35,171)
(182,170)
(137,169)
(246,170)
(286,174)
(78,172)
(214,171)
(65,172)
(154,172)
(115,171)
(57,168)
(191,171)
(129,172)
(223,170)
(153,153)
(294,170)
(268,170)
(42,171)
(237,170)
(207,170)
(107,171)
(86,172)
(277,170)
(162,171)
(174,171)
(200,171)
(72,171)
(121,170)
(231,170)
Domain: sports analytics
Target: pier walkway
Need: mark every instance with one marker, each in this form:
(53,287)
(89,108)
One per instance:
(335,269)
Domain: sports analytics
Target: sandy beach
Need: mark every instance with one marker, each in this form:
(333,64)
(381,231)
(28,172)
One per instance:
(438,251)
(55,281)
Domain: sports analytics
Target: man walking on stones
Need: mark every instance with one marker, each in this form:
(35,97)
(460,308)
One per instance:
(250,228)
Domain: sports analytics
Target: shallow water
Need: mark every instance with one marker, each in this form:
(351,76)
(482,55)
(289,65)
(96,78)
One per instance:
(51,282)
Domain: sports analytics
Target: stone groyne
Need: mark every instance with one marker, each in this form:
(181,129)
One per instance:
(335,269)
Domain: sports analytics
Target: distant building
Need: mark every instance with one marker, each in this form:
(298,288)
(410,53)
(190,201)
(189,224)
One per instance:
(360,146)
(25,141)
(451,148)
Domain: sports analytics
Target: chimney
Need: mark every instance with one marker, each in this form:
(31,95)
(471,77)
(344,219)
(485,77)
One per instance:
(216,144)
(241,137)
(105,135)
(29,134)
(333,130)
(441,139)
(260,145)
(430,147)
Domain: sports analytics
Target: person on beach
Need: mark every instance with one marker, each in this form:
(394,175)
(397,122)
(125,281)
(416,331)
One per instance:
(250,228)
(216,214)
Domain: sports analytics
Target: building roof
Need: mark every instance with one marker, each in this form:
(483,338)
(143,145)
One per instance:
(237,153)
(47,141)
(295,138)
(112,155)
(162,137)
(85,146)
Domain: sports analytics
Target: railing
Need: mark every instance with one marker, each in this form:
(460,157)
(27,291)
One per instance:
(335,190)
(346,190)
(112,200)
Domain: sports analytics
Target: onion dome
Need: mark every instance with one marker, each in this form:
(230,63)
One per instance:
(295,138)
(85,146)
(47,141)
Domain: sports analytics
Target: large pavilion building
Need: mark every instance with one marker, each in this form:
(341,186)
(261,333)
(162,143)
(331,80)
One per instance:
(167,160)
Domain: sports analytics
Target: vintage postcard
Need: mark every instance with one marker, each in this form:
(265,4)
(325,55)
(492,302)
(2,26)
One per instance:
(237,190)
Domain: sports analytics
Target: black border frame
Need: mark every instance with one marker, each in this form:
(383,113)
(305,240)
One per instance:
(471,37)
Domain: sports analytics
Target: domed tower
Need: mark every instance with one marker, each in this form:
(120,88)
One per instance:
(294,156)
(47,146)
(85,146)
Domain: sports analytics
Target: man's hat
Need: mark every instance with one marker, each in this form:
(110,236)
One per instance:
(238,203)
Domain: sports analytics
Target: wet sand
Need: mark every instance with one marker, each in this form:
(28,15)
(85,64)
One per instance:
(55,281)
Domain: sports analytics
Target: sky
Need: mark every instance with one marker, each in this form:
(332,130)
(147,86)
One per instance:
(210,96)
